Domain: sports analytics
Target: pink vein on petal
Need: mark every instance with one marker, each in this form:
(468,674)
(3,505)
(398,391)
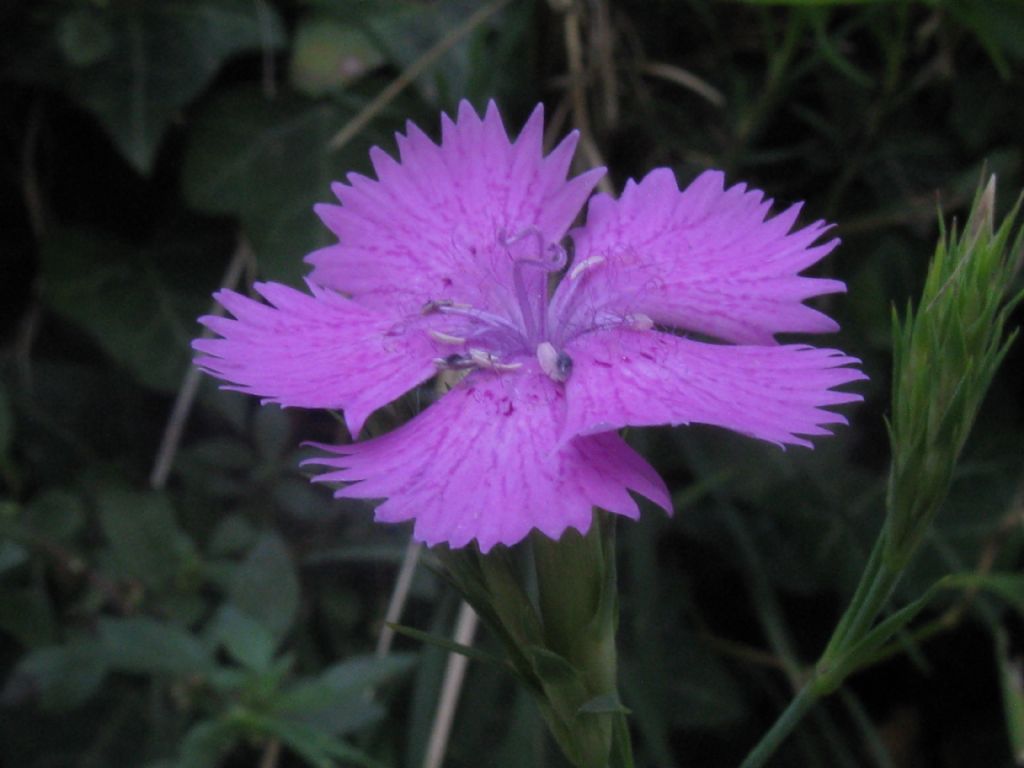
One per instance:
(314,351)
(704,259)
(774,393)
(485,463)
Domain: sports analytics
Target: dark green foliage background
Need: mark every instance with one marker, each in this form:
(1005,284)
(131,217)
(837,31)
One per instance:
(233,610)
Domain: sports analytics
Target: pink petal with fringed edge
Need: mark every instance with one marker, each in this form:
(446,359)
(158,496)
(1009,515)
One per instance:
(642,378)
(314,351)
(485,464)
(704,259)
(431,225)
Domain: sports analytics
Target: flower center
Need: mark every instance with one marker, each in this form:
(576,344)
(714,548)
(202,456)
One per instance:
(498,342)
(531,328)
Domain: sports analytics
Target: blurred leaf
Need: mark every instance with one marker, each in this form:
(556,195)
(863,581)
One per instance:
(267,162)
(813,3)
(340,699)
(233,535)
(997,24)
(12,555)
(221,453)
(409,30)
(61,676)
(247,641)
(301,499)
(6,423)
(26,615)
(313,745)
(135,65)
(266,587)
(55,514)
(139,305)
(206,743)
(144,535)
(146,646)
(442,642)
(84,36)
(328,55)
(1011,678)
(695,684)
(608,703)
(272,432)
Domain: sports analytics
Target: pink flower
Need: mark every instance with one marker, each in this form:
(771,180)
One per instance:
(444,262)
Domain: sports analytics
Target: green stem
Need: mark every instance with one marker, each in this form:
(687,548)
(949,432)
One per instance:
(577,591)
(778,733)
(867,579)
(873,591)
(622,744)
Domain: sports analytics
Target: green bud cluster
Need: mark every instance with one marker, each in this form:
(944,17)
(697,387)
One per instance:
(946,352)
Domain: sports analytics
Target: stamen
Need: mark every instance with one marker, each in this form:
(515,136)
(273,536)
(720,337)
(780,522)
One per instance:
(483,359)
(446,338)
(453,363)
(487,318)
(584,265)
(436,305)
(639,322)
(557,365)
(533,300)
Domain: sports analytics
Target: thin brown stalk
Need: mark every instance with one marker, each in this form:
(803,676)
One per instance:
(399,596)
(454,674)
(685,79)
(410,73)
(271,754)
(578,94)
(190,384)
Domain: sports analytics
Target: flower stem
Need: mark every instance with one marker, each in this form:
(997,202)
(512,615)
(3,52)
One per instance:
(576,582)
(873,591)
(788,720)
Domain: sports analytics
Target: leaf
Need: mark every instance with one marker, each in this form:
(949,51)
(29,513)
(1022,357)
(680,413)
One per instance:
(606,703)
(206,743)
(338,700)
(1011,679)
(266,587)
(272,432)
(12,554)
(409,30)
(139,304)
(26,615)
(55,514)
(444,643)
(145,538)
(233,535)
(146,646)
(316,747)
(267,162)
(61,676)
(6,423)
(328,55)
(143,62)
(246,640)
(84,36)
(302,500)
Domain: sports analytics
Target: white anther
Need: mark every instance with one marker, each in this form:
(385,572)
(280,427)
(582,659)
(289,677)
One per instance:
(557,365)
(447,338)
(584,265)
(487,361)
(639,322)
